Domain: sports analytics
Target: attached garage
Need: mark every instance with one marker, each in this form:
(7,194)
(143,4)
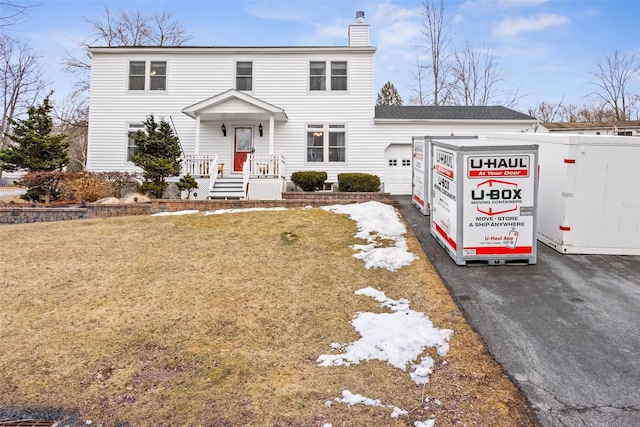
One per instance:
(397,169)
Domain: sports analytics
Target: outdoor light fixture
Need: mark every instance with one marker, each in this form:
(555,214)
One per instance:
(260,129)
(224,130)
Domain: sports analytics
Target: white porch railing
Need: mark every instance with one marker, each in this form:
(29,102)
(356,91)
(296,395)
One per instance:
(262,166)
(199,165)
(269,165)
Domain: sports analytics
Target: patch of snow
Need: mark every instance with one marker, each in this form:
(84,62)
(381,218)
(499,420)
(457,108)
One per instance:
(354,399)
(397,338)
(225,211)
(187,212)
(428,423)
(421,371)
(376,221)
(397,412)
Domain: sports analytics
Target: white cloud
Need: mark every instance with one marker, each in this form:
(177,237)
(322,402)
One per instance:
(507,4)
(500,4)
(511,26)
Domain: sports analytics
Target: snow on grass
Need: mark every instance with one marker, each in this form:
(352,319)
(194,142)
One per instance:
(225,211)
(188,212)
(351,399)
(397,338)
(377,221)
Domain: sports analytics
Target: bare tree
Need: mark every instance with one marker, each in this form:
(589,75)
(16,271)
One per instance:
(21,82)
(436,31)
(475,76)
(418,90)
(11,14)
(72,119)
(124,29)
(545,112)
(613,79)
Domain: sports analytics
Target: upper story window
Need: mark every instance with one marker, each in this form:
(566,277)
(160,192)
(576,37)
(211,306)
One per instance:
(158,75)
(155,79)
(244,76)
(137,72)
(326,143)
(318,76)
(338,75)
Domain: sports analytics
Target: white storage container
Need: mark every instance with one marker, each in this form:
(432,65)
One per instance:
(589,192)
(484,200)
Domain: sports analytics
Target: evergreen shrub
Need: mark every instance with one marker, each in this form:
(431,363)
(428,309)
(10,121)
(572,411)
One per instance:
(358,182)
(309,180)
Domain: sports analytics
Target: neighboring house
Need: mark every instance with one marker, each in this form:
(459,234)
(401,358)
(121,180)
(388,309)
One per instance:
(266,112)
(619,128)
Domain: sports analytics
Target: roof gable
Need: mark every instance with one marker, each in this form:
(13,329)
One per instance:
(236,103)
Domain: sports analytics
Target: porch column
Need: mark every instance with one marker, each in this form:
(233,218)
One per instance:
(197,142)
(272,132)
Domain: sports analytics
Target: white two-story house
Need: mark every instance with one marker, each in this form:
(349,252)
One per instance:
(248,117)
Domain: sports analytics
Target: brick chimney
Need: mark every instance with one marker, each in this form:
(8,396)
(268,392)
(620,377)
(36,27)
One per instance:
(359,32)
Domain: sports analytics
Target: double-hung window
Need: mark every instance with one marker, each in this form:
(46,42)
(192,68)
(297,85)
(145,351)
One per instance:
(326,143)
(132,129)
(336,81)
(317,75)
(137,73)
(153,80)
(244,76)
(338,75)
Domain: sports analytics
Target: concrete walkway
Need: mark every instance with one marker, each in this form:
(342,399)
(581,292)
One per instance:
(566,330)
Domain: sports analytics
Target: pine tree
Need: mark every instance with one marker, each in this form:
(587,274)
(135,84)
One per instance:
(187,183)
(158,154)
(389,95)
(35,147)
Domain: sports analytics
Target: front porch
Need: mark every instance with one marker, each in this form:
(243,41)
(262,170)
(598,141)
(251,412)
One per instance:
(233,125)
(262,177)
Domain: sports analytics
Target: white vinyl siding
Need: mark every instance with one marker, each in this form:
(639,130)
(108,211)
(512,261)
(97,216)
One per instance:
(280,78)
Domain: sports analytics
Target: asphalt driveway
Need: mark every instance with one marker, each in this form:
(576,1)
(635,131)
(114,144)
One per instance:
(567,329)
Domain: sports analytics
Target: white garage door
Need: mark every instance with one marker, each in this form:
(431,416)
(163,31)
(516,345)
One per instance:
(397,169)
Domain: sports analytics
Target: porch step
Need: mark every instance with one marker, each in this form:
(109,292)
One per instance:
(227,188)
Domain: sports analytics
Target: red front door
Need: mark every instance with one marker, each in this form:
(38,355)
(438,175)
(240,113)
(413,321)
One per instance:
(243,145)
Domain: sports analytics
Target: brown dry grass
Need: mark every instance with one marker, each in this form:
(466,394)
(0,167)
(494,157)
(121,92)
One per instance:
(218,321)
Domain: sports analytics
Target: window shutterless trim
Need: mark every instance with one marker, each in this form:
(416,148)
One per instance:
(154,78)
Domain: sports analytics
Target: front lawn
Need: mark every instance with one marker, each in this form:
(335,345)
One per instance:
(220,320)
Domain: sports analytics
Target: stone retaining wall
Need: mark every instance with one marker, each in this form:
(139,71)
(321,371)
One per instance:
(20,215)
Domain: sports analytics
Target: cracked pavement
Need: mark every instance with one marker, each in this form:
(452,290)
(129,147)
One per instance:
(566,330)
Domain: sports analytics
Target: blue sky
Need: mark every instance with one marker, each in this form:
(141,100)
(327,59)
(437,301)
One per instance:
(545,48)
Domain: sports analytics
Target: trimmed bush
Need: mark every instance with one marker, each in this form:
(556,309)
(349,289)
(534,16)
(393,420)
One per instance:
(309,180)
(358,182)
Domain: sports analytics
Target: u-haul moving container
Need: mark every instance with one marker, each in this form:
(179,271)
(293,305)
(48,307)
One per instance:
(420,170)
(589,192)
(484,200)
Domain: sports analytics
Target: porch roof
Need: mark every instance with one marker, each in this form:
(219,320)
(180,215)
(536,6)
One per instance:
(233,104)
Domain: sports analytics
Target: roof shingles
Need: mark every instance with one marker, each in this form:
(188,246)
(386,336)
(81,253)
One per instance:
(448,112)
